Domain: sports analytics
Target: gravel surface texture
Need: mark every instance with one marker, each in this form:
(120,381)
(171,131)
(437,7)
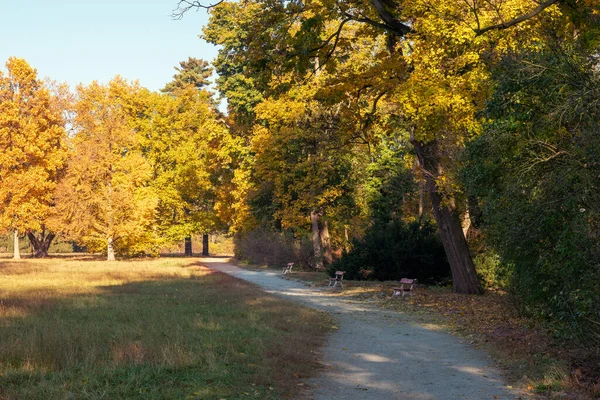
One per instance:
(378,354)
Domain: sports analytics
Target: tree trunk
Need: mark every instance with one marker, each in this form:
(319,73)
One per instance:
(326,242)
(316,239)
(466,223)
(421,199)
(16,250)
(188,247)
(475,213)
(205,245)
(464,277)
(110,249)
(41,244)
(421,190)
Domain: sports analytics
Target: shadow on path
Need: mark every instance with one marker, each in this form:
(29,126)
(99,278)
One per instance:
(378,354)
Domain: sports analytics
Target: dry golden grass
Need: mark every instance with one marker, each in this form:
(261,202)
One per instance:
(162,328)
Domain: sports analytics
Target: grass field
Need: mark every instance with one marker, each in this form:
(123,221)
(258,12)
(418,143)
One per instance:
(155,329)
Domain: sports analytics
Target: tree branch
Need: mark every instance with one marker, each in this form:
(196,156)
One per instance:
(504,25)
(185,5)
(392,24)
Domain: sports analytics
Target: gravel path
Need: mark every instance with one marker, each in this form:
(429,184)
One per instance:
(377,354)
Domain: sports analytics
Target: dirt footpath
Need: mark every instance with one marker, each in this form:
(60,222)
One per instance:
(376,354)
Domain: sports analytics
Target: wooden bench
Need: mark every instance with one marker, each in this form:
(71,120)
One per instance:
(406,286)
(337,279)
(287,269)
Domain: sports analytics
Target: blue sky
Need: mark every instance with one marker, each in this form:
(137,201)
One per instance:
(78,41)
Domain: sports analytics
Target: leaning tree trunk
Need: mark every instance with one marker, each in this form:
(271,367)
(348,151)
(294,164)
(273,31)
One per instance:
(205,245)
(316,240)
(41,244)
(326,242)
(16,250)
(187,251)
(464,277)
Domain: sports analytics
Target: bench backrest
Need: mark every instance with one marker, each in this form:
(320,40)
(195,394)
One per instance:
(290,265)
(407,283)
(339,275)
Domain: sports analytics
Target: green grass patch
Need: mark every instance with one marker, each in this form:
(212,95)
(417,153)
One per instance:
(157,329)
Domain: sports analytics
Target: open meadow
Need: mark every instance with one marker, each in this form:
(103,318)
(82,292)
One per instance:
(152,329)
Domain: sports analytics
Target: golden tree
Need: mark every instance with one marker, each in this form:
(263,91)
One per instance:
(32,153)
(434,70)
(105,200)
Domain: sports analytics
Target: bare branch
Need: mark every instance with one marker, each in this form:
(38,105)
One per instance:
(504,25)
(185,5)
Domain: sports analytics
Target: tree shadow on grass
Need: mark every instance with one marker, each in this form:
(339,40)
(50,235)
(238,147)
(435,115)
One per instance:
(159,338)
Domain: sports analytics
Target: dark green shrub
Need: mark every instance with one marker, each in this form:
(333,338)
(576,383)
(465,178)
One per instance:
(396,250)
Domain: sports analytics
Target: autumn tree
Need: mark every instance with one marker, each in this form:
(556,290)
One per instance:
(32,154)
(437,58)
(190,152)
(304,166)
(106,200)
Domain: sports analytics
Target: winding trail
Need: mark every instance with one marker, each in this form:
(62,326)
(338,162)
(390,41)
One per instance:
(377,354)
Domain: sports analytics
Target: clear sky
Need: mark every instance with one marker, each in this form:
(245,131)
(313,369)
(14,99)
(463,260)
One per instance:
(78,41)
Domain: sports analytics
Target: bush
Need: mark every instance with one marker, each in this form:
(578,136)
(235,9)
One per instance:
(492,272)
(394,251)
(267,247)
(535,171)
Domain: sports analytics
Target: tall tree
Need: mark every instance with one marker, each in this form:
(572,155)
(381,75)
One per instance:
(193,72)
(32,153)
(435,59)
(190,152)
(105,199)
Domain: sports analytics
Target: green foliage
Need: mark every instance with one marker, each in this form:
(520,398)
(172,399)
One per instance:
(192,156)
(193,72)
(396,250)
(536,172)
(492,272)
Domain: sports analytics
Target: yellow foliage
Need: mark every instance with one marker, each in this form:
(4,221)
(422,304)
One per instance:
(106,193)
(32,147)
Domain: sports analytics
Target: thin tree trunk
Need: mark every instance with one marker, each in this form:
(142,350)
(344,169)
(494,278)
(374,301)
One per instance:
(464,277)
(42,244)
(325,241)
(466,223)
(314,219)
(421,198)
(110,249)
(421,190)
(475,213)
(110,245)
(205,245)
(188,247)
(16,250)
